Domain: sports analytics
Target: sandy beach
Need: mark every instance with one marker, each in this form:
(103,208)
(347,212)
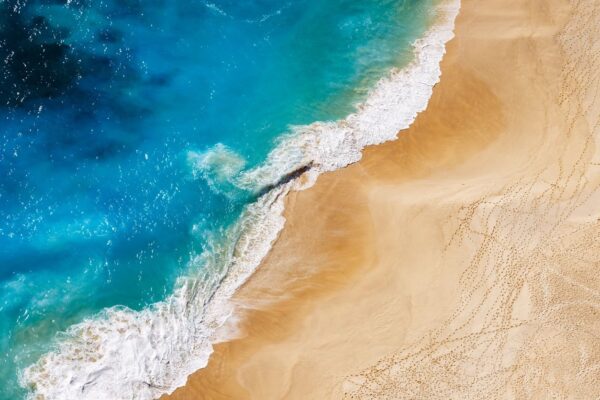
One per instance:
(457,262)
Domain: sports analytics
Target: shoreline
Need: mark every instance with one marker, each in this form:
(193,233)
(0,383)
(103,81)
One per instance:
(448,262)
(88,352)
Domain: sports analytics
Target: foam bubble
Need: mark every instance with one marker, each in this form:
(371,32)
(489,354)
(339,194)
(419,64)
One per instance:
(126,354)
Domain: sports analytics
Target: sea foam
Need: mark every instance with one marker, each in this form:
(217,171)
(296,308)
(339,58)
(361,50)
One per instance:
(127,354)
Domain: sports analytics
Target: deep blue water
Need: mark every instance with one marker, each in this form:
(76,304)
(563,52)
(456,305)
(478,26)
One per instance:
(100,103)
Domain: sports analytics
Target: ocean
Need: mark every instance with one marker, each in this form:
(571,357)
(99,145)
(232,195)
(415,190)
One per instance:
(145,150)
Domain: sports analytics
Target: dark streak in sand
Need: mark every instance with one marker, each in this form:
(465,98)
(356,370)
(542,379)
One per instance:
(285,179)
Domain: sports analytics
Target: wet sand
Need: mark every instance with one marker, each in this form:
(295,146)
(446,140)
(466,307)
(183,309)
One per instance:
(460,261)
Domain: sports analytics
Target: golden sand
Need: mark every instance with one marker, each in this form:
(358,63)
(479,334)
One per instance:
(462,260)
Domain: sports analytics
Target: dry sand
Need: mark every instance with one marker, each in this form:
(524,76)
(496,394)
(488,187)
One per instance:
(462,260)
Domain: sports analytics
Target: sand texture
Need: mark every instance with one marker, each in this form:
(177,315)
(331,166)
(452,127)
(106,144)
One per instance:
(461,261)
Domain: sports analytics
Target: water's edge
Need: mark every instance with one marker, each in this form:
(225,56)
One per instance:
(126,354)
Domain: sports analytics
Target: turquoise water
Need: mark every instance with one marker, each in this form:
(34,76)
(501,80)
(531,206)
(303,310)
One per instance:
(101,104)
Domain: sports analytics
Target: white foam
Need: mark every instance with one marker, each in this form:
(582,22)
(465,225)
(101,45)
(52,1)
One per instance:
(126,354)
(218,166)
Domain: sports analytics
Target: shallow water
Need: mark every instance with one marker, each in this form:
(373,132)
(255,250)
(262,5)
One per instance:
(124,123)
